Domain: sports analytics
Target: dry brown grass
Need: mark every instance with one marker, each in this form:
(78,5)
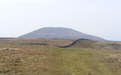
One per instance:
(17,57)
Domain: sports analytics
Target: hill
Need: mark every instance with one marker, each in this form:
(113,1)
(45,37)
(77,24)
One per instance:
(58,33)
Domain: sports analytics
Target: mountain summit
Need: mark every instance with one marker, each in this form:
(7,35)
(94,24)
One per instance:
(59,33)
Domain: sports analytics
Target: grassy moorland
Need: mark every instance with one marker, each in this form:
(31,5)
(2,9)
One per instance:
(29,57)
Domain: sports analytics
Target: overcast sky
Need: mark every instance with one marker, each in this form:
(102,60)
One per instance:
(97,17)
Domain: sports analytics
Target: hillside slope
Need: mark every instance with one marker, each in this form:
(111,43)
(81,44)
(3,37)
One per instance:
(58,33)
(86,43)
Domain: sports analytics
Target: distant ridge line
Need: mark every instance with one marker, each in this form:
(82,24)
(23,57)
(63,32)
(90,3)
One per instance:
(59,33)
